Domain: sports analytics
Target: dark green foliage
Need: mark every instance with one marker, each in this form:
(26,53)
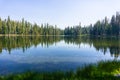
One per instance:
(100,28)
(100,71)
(23,27)
(74,31)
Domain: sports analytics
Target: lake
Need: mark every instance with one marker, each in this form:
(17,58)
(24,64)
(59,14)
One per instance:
(54,53)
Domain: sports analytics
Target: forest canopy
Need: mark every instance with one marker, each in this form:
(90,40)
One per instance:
(105,27)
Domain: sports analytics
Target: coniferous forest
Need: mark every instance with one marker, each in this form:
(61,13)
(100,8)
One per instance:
(105,27)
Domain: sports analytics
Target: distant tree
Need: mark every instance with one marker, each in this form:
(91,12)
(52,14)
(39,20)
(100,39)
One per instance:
(0,26)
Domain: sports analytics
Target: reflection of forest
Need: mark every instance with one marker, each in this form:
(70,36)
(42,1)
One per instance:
(9,43)
(104,45)
(108,44)
(111,45)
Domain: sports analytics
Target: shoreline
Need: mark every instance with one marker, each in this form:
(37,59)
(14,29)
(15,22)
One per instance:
(61,35)
(27,35)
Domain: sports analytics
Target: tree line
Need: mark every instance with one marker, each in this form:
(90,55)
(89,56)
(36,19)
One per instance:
(105,27)
(23,27)
(100,28)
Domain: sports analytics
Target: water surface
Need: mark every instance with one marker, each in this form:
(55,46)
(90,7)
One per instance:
(19,54)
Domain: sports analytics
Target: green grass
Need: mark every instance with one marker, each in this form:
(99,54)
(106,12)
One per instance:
(104,70)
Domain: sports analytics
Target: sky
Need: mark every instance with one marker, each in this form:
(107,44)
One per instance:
(62,13)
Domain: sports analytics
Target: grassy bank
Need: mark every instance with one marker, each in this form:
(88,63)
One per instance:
(107,70)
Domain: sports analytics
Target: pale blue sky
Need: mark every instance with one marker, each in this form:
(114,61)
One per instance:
(59,12)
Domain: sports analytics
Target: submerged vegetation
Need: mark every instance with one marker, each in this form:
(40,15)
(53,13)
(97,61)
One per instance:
(104,70)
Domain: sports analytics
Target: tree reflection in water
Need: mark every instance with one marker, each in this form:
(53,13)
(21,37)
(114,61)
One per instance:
(111,45)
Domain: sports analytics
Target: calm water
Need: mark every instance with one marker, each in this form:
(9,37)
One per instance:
(19,54)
